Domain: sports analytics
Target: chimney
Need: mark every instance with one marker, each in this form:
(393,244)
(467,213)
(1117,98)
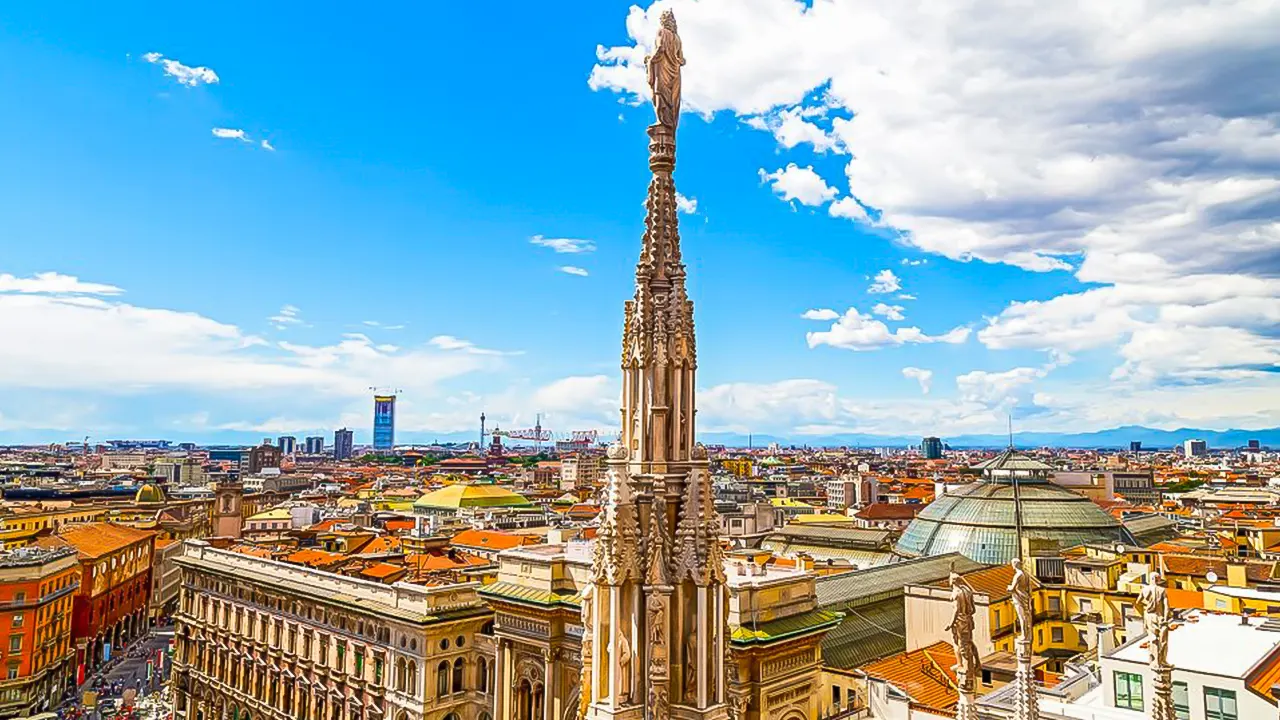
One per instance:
(1244,616)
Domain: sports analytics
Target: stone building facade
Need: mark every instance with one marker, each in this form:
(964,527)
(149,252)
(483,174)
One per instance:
(257,638)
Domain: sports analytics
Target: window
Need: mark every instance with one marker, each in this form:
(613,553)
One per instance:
(13,671)
(1220,704)
(342,655)
(20,596)
(442,679)
(1181,701)
(1129,691)
(482,674)
(377,669)
(458,671)
(835,696)
(15,643)
(1086,605)
(1055,604)
(1055,634)
(17,620)
(359,663)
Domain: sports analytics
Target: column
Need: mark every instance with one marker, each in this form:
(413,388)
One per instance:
(507,673)
(551,689)
(598,641)
(702,647)
(615,680)
(720,652)
(639,651)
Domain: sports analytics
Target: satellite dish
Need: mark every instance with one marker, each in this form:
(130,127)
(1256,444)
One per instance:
(1119,549)
(1211,576)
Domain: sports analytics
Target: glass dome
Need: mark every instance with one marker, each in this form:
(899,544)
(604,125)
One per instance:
(978,520)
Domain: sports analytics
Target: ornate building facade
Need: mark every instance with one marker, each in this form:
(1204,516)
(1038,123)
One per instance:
(257,638)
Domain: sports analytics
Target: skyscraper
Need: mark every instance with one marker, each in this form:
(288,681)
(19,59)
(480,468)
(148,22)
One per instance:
(1195,448)
(384,422)
(287,444)
(343,444)
(315,445)
(931,448)
(655,640)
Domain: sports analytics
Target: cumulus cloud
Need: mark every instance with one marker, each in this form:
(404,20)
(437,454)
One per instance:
(820,314)
(449,342)
(563,245)
(52,282)
(924,377)
(891,312)
(801,184)
(183,74)
(574,270)
(858,331)
(230,134)
(885,282)
(1132,150)
(686,205)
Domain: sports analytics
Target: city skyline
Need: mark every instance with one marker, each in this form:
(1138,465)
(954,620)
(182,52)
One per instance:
(201,242)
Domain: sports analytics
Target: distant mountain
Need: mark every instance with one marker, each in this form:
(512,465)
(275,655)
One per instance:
(1151,439)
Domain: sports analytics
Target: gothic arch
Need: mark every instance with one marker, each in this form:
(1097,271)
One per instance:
(529,669)
(793,714)
(574,698)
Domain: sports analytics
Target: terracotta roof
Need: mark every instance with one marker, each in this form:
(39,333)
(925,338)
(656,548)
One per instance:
(102,538)
(925,675)
(314,558)
(990,581)
(382,571)
(888,511)
(252,550)
(398,525)
(491,539)
(1265,676)
(1199,566)
(434,561)
(383,544)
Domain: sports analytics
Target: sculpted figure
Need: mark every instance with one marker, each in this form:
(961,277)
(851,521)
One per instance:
(691,664)
(663,68)
(624,668)
(1020,587)
(1153,603)
(961,627)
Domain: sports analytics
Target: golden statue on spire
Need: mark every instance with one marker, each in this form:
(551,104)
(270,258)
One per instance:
(663,68)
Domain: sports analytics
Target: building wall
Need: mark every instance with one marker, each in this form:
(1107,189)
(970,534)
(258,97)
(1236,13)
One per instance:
(313,632)
(35,630)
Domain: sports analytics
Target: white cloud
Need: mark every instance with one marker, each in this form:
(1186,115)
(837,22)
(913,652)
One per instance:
(799,183)
(184,74)
(924,377)
(820,314)
(287,316)
(890,312)
(847,207)
(921,261)
(906,296)
(885,282)
(52,282)
(999,390)
(856,331)
(230,134)
(449,342)
(266,145)
(563,245)
(574,270)
(1130,149)
(686,205)
(382,326)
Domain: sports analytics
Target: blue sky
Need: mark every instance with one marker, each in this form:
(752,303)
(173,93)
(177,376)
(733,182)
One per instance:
(412,156)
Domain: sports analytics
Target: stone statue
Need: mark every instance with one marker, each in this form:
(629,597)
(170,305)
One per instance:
(658,700)
(588,598)
(691,664)
(1153,603)
(968,664)
(624,669)
(1020,587)
(663,68)
(657,621)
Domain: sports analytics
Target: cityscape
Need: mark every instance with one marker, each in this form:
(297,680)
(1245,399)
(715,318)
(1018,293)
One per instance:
(386,534)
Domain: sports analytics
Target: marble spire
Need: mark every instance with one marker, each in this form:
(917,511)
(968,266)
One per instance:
(658,598)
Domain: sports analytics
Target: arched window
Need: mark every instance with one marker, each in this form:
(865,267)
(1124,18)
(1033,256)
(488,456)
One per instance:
(482,675)
(411,679)
(458,671)
(400,683)
(442,679)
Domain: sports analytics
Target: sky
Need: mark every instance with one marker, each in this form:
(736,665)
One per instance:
(903,218)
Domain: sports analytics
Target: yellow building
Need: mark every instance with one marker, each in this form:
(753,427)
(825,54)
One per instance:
(19,525)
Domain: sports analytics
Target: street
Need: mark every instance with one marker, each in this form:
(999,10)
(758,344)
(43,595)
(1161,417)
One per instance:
(129,672)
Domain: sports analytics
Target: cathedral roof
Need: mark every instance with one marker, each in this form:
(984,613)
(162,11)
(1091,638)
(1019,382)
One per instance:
(471,496)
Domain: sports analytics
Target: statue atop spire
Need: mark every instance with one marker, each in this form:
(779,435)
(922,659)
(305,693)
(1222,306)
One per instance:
(663,70)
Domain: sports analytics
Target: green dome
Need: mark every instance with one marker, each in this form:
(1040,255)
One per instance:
(978,521)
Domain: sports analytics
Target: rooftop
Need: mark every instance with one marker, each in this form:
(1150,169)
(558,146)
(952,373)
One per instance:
(1196,645)
(471,496)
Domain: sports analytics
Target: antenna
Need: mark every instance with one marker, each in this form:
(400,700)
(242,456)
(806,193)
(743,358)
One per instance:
(1010,416)
(1017,494)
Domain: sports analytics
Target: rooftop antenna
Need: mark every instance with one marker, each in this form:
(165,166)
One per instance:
(1017,494)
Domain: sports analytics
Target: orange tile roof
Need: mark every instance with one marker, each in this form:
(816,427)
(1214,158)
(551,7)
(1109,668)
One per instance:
(312,557)
(253,550)
(94,540)
(991,581)
(384,544)
(924,674)
(1265,676)
(491,539)
(1185,599)
(381,571)
(398,525)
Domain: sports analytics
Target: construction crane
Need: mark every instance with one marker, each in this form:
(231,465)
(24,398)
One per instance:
(536,434)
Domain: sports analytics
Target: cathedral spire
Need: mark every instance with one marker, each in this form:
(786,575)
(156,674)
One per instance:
(659,639)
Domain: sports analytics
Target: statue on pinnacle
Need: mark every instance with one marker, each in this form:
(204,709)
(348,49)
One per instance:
(663,69)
